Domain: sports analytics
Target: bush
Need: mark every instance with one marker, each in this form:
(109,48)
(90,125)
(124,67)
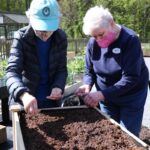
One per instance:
(3,64)
(75,67)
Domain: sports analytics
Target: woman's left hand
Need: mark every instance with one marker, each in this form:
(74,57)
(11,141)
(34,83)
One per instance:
(92,99)
(56,94)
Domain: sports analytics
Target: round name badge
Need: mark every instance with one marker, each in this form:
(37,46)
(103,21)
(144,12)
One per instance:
(116,50)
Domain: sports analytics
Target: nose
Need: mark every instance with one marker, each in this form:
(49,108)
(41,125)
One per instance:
(44,37)
(98,37)
(42,33)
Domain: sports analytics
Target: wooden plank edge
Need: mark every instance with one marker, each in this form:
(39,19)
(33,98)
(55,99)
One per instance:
(16,108)
(66,107)
(17,134)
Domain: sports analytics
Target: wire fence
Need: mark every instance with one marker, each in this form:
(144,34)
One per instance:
(4,49)
(74,45)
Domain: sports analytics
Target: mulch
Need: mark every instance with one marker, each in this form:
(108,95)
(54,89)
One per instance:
(74,129)
(145,135)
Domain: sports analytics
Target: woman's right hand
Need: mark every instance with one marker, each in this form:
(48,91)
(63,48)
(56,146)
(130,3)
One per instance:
(83,90)
(30,103)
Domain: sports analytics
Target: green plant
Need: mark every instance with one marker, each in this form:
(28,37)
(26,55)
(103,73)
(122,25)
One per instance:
(3,64)
(75,67)
(146,46)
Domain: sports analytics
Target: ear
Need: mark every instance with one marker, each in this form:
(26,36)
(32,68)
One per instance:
(112,23)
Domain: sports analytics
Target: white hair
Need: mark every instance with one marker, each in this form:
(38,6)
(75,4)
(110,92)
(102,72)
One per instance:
(96,17)
(27,13)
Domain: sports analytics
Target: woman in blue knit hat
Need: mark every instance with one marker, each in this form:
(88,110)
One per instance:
(37,71)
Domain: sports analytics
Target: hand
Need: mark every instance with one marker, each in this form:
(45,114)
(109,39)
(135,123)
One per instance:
(92,99)
(30,103)
(83,90)
(56,94)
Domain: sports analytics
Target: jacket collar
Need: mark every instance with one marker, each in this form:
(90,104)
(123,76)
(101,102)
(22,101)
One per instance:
(29,33)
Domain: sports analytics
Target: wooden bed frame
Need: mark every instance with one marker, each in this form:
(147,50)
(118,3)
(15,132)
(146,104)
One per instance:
(18,142)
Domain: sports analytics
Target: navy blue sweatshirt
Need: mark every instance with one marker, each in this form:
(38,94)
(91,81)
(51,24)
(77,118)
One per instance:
(118,70)
(43,88)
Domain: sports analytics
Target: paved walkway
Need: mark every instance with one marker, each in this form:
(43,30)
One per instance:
(146,117)
(0,111)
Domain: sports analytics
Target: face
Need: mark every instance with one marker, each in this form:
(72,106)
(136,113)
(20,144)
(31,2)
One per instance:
(99,33)
(104,36)
(43,35)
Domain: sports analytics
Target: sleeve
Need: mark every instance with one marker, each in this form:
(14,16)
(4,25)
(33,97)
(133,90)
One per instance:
(131,70)
(14,70)
(61,70)
(89,75)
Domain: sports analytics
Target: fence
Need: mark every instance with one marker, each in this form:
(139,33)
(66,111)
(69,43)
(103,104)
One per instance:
(4,49)
(75,45)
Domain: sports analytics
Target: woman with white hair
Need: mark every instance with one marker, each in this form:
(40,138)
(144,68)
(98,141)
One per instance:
(114,63)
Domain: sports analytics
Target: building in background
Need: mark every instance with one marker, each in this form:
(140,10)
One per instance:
(9,23)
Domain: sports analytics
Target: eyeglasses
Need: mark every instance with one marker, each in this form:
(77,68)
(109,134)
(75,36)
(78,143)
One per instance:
(99,35)
(38,31)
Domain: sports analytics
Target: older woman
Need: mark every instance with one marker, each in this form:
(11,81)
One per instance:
(115,64)
(37,70)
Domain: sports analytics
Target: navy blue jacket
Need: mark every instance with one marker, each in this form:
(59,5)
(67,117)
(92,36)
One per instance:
(118,70)
(23,70)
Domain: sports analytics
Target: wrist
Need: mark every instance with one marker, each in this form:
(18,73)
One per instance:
(101,96)
(23,95)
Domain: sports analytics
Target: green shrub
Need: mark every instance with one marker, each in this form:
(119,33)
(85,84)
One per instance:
(75,66)
(146,46)
(3,64)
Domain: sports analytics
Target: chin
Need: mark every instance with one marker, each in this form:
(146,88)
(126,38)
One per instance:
(44,39)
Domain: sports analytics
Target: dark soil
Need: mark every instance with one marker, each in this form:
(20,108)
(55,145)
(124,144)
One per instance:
(73,129)
(145,135)
(72,100)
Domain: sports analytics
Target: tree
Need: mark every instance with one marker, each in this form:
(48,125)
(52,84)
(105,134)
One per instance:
(134,14)
(15,5)
(73,12)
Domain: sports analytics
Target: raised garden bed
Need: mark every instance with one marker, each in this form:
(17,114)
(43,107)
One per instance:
(71,128)
(75,128)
